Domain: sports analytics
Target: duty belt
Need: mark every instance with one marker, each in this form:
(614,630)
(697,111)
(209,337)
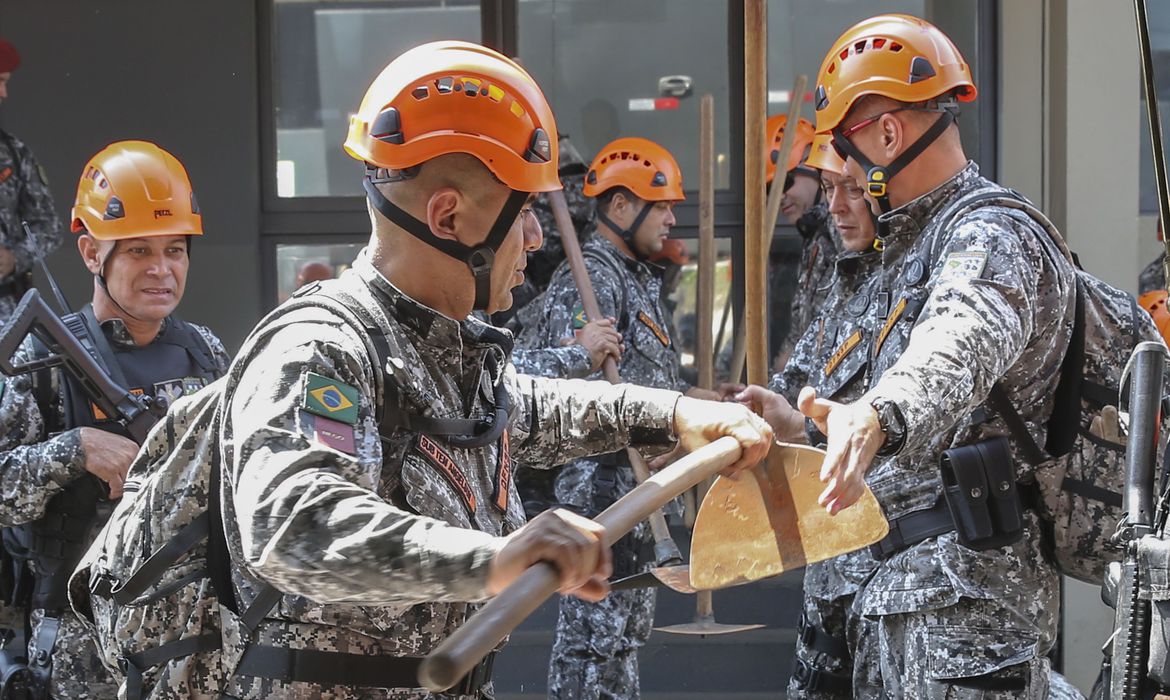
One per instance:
(351,670)
(912,528)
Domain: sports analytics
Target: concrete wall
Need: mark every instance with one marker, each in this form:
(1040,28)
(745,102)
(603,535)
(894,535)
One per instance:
(182,74)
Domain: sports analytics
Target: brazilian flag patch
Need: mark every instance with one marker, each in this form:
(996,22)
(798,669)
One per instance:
(578,317)
(330,398)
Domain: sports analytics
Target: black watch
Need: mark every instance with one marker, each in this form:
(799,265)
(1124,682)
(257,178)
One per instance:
(892,424)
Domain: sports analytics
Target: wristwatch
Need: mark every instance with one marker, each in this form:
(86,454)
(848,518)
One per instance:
(892,424)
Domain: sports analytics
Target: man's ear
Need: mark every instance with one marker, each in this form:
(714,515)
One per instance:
(443,206)
(91,253)
(893,133)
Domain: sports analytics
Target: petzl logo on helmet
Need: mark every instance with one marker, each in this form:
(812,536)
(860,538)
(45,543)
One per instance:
(330,398)
(162,212)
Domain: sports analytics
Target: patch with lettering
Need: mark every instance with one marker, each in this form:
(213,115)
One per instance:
(442,461)
(964,266)
(894,316)
(5,174)
(334,434)
(169,390)
(842,352)
(658,332)
(192,385)
(330,398)
(579,320)
(503,474)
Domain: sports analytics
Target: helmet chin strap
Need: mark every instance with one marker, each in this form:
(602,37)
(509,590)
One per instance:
(878,176)
(478,258)
(627,234)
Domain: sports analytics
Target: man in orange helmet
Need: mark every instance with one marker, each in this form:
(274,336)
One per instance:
(804,208)
(376,497)
(24,198)
(636,184)
(61,459)
(968,299)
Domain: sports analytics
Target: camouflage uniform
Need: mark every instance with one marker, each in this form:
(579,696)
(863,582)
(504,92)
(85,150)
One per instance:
(24,196)
(1153,276)
(34,467)
(819,246)
(380,545)
(829,359)
(595,651)
(989,301)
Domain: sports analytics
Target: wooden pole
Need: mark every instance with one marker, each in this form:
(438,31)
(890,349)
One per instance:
(772,217)
(457,654)
(666,552)
(755,79)
(705,306)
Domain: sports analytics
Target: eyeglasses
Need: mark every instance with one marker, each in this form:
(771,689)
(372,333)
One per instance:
(852,191)
(848,131)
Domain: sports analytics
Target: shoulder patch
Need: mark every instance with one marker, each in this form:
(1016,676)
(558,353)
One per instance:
(330,398)
(5,174)
(578,317)
(334,434)
(967,265)
(658,332)
(442,461)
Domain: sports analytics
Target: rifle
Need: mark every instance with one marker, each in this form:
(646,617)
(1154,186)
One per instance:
(136,414)
(1132,637)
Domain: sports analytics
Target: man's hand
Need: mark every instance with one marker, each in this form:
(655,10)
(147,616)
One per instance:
(855,436)
(571,543)
(108,457)
(787,423)
(7,262)
(698,423)
(601,339)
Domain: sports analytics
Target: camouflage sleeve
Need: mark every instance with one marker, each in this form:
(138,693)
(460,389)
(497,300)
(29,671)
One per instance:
(218,351)
(563,305)
(797,371)
(32,468)
(309,517)
(994,281)
(559,420)
(567,362)
(35,207)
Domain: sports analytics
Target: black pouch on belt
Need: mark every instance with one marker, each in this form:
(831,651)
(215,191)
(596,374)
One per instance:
(979,483)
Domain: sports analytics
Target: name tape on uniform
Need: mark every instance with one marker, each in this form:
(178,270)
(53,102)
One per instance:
(658,332)
(330,398)
(842,352)
(439,459)
(503,474)
(894,316)
(334,434)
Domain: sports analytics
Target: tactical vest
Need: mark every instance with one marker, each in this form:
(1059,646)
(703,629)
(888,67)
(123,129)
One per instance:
(176,363)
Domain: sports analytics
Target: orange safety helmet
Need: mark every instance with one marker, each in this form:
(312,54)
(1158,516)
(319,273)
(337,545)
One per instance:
(823,156)
(134,189)
(775,136)
(641,166)
(1155,303)
(458,97)
(900,57)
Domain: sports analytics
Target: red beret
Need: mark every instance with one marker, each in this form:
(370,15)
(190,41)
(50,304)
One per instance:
(9,57)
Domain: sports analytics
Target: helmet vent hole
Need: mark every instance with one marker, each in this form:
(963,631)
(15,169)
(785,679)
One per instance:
(895,46)
(844,54)
(420,93)
(859,47)
(444,85)
(879,43)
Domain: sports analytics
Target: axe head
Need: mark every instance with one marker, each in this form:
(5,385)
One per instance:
(768,521)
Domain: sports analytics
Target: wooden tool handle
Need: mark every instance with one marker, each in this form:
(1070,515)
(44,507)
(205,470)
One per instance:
(459,653)
(576,258)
